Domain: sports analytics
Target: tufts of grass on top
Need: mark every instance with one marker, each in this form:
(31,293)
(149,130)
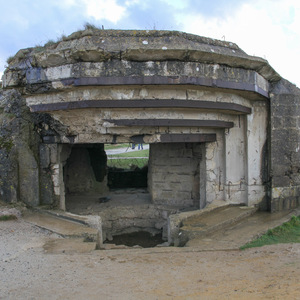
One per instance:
(89,26)
(10,59)
(288,232)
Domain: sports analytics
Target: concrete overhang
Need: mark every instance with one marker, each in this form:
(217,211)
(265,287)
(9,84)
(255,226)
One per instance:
(34,66)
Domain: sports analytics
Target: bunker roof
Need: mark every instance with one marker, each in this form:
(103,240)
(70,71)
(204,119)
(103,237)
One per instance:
(96,45)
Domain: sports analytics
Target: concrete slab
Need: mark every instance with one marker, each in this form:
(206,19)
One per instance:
(69,246)
(244,231)
(205,223)
(63,227)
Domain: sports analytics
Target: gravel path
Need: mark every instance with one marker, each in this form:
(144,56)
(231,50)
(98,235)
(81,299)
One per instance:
(28,271)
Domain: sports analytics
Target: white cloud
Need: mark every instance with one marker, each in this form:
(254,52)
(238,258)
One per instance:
(103,9)
(270,29)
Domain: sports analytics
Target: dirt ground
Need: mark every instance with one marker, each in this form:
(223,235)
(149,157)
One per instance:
(36,264)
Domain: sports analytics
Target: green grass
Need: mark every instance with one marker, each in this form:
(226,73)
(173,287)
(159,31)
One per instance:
(116,146)
(8,217)
(127,163)
(288,232)
(138,153)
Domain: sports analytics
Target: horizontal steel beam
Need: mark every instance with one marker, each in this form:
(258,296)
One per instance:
(172,123)
(187,138)
(165,80)
(145,103)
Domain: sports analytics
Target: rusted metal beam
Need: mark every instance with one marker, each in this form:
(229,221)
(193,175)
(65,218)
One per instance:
(165,80)
(172,123)
(145,103)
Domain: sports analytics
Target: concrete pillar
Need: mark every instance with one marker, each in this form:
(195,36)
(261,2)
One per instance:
(215,169)
(236,163)
(257,123)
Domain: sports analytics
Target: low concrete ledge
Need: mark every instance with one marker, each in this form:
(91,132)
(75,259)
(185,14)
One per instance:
(68,224)
(185,226)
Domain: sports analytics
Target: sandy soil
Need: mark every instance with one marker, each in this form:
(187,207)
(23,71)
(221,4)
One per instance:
(35,264)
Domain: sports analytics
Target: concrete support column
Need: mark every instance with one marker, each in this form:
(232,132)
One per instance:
(215,169)
(236,163)
(59,158)
(202,177)
(257,123)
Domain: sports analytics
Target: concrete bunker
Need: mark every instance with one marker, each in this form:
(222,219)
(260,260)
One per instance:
(86,177)
(222,126)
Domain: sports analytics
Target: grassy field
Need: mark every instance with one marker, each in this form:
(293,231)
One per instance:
(124,160)
(288,232)
(116,146)
(139,153)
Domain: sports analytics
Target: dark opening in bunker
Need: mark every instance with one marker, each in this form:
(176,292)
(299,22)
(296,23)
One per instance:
(98,173)
(85,170)
(141,238)
(127,165)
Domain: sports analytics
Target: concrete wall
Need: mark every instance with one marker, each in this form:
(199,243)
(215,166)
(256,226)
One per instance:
(284,146)
(174,174)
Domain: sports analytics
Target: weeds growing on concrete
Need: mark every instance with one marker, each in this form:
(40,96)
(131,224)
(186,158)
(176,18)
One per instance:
(9,59)
(89,26)
(7,217)
(288,232)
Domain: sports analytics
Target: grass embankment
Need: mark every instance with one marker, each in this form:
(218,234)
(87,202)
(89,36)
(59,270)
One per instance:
(288,232)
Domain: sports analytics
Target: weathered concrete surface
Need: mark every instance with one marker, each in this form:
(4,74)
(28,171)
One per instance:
(112,45)
(19,167)
(174,174)
(244,231)
(126,211)
(59,225)
(285,155)
(197,224)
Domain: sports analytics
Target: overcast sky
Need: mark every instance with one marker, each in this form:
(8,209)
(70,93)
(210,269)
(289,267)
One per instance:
(265,28)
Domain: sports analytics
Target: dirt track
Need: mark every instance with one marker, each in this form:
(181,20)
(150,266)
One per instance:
(27,271)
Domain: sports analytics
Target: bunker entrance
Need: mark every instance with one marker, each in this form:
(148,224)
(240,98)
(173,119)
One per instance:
(133,192)
(98,173)
(127,166)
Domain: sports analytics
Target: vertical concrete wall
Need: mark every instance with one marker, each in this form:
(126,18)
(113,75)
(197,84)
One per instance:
(19,157)
(85,170)
(257,166)
(284,146)
(235,163)
(174,174)
(215,169)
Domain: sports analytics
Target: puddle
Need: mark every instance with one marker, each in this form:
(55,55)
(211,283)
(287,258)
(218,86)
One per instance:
(141,238)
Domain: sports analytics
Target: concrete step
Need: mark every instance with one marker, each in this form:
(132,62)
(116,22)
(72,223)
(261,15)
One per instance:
(59,225)
(204,224)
